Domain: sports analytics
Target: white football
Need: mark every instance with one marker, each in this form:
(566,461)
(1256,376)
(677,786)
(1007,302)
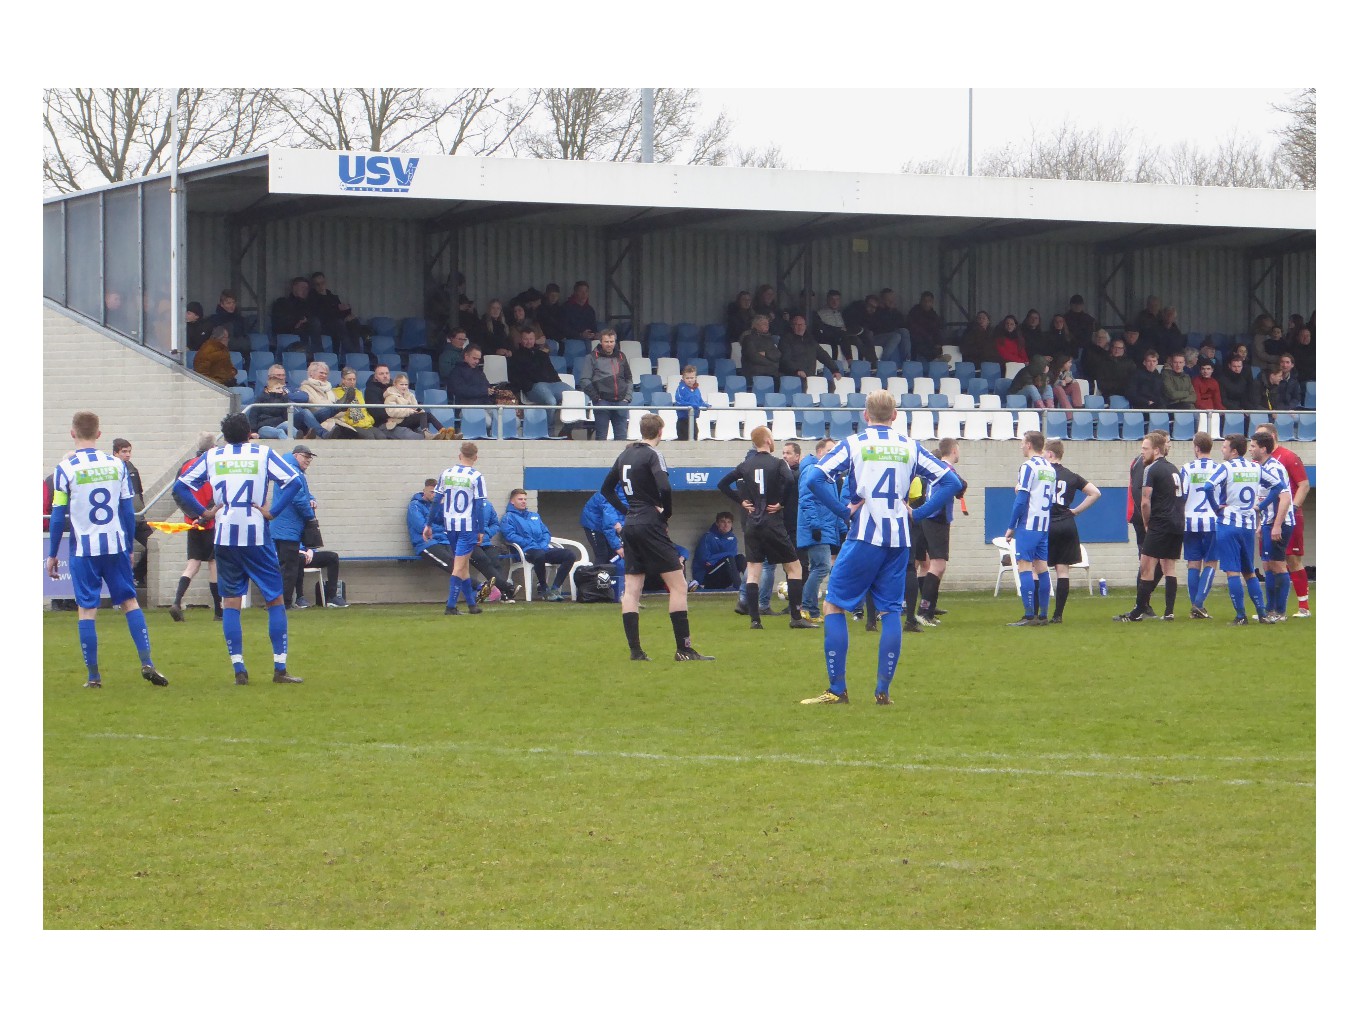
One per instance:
(782,589)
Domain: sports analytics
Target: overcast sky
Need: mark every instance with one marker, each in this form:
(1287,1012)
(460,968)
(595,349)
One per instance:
(880,129)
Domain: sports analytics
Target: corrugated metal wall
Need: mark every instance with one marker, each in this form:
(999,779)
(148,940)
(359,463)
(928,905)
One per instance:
(908,265)
(1013,277)
(501,259)
(692,275)
(1300,284)
(1207,286)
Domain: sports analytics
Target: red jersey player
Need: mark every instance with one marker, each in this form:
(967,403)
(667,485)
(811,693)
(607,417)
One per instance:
(1298,489)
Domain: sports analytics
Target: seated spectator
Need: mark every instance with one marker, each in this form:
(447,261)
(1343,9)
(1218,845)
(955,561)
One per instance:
(718,562)
(1082,325)
(858,318)
(1145,389)
(286,530)
(1208,353)
(1291,334)
(765,304)
(529,300)
(196,329)
(832,326)
(305,424)
(739,317)
(375,396)
(1095,356)
(213,360)
(603,526)
(1010,345)
(1117,373)
(467,383)
(450,355)
(406,419)
(550,314)
(1207,395)
(1191,361)
(1058,339)
(760,352)
(292,314)
(1234,384)
(1149,320)
(578,317)
(608,379)
(976,344)
(1170,340)
(436,549)
(354,420)
(337,319)
(268,415)
(1291,390)
(1305,356)
(1267,391)
(238,337)
(1032,381)
(526,529)
(889,326)
(926,329)
(1178,392)
(1267,343)
(687,395)
(1032,329)
(496,335)
(800,353)
(1066,392)
(1242,351)
(531,372)
(1137,345)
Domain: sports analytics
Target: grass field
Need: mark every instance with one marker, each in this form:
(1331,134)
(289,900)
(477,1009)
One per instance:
(515,770)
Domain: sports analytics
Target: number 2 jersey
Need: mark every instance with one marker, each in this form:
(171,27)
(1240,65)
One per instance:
(239,476)
(879,464)
(92,485)
(1199,514)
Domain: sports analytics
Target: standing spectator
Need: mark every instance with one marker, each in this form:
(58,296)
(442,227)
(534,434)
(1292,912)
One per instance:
(122,449)
(800,353)
(687,395)
(976,344)
(292,314)
(858,325)
(468,319)
(496,335)
(1145,388)
(890,328)
(406,419)
(196,330)
(1170,339)
(526,529)
(608,379)
(1082,325)
(1234,385)
(1032,329)
(337,319)
(759,350)
(718,563)
(531,372)
(1207,395)
(213,360)
(199,541)
(739,315)
(1178,392)
(927,331)
(1010,345)
(765,304)
(550,314)
(1291,392)
(1305,356)
(578,317)
(1149,320)
(238,337)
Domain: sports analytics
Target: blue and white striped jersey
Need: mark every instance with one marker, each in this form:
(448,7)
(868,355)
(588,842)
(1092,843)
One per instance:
(456,494)
(92,484)
(1238,486)
(239,476)
(1273,474)
(1039,479)
(1199,515)
(879,464)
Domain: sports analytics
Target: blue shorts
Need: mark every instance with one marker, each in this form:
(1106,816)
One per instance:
(90,573)
(1236,548)
(1200,546)
(237,565)
(1272,550)
(1031,546)
(463,542)
(862,568)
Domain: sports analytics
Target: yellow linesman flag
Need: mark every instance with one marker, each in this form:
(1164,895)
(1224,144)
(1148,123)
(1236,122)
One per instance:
(174,527)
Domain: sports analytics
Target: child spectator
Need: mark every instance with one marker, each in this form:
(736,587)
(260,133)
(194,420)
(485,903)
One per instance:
(687,395)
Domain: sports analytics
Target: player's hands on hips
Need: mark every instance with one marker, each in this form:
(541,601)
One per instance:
(52,567)
(264,511)
(773,508)
(748,506)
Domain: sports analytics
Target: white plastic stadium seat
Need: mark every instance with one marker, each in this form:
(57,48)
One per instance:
(640,367)
(494,365)
(897,386)
(1013,369)
(708,386)
(963,402)
(950,425)
(635,424)
(922,425)
(975,425)
(526,569)
(816,385)
(950,386)
(752,420)
(726,424)
(923,385)
(783,424)
(870,383)
(667,366)
(1084,388)
(1027,421)
(743,400)
(669,417)
(576,411)
(989,402)
(716,399)
(954,354)
(1006,550)
(631,349)
(845,384)
(1003,425)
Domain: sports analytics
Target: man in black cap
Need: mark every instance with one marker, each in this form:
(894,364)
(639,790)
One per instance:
(550,313)
(1081,325)
(195,329)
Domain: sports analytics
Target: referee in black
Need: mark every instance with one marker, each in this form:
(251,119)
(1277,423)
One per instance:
(647,546)
(1064,540)
(1162,507)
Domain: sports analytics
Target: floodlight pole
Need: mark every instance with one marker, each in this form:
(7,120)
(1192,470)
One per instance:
(176,315)
(648,119)
(970,132)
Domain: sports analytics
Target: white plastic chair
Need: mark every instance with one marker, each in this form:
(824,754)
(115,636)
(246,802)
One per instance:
(1084,388)
(496,368)
(1006,556)
(708,386)
(922,425)
(1013,369)
(526,569)
(576,411)
(783,424)
(667,366)
(844,385)
(726,424)
(923,385)
(1084,564)
(1003,425)
(1027,421)
(949,425)
(950,387)
(716,399)
(898,386)
(635,424)
(989,402)
(975,425)
(743,400)
(963,402)
(631,349)
(816,385)
(954,354)
(670,382)
(670,418)
(639,367)
(870,383)
(753,420)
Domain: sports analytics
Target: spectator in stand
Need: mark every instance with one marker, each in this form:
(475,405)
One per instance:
(292,314)
(304,421)
(268,415)
(687,395)
(357,417)
(760,352)
(1058,339)
(530,300)
(1266,344)
(1305,356)
(1291,334)
(858,318)
(832,324)
(518,318)
(468,383)
(213,360)
(375,396)
(1010,345)
(337,319)
(196,330)
(1170,340)
(1208,353)
(468,319)
(890,328)
(1207,395)
(765,304)
(1191,362)
(531,372)
(1178,392)
(317,389)
(578,317)
(739,315)
(1242,351)
(1267,392)
(450,355)
(406,419)
(1081,324)
(496,335)
(807,304)
(238,338)
(1149,320)
(718,562)
(1234,384)
(1118,372)
(976,344)
(1291,390)
(1095,356)
(550,314)
(526,529)
(608,379)
(1145,389)
(1066,392)
(927,333)
(1032,382)
(800,353)
(1137,345)
(1032,329)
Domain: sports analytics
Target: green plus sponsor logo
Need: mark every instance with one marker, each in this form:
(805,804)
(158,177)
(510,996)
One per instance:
(235,467)
(1245,476)
(457,481)
(895,454)
(91,475)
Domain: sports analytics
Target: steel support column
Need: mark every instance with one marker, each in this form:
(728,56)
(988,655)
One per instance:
(957,293)
(1265,281)
(623,255)
(1116,263)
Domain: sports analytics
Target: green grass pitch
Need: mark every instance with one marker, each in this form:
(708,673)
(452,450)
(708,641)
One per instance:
(515,770)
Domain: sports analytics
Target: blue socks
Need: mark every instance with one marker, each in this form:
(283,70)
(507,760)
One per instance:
(836,642)
(1193,576)
(89,647)
(455,586)
(469,592)
(231,630)
(1254,590)
(1235,593)
(1045,585)
(1206,584)
(278,634)
(136,621)
(1027,591)
(889,649)
(1279,584)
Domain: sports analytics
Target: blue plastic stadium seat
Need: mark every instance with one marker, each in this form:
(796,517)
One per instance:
(1183,426)
(771,399)
(686,332)
(1159,420)
(384,347)
(357,360)
(913,370)
(425,380)
(434,395)
(802,400)
(573,349)
(990,370)
(383,325)
(715,340)
(762,383)
(828,400)
(1119,403)
(330,361)
(911,402)
(361,377)
(790,384)
(940,401)
(1107,425)
(733,383)
(1308,428)
(976,386)
(937,370)
(856,401)
(535,423)
(723,367)
(639,398)
(259,360)
(259,341)
(687,351)
(1083,425)
(964,371)
(1016,401)
(842,424)
(1055,425)
(413,334)
(1133,425)
(1310,395)
(1255,422)
(859,369)
(286,340)
(811,424)
(651,381)
(1095,402)
(296,377)
(293,359)
(559,363)
(509,422)
(578,367)
(1287,426)
(474,423)
(1234,422)
(419,361)
(887,369)
(656,331)
(246,393)
(700,365)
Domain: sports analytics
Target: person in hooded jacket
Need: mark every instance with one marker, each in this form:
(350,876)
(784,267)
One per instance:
(1010,345)
(608,379)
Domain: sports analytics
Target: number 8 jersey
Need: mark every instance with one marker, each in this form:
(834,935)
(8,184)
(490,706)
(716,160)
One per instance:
(881,463)
(239,476)
(93,483)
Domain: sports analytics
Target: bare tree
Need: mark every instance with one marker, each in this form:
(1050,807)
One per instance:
(1298,139)
(606,124)
(483,120)
(942,165)
(1234,163)
(1068,153)
(371,119)
(97,136)
(772,156)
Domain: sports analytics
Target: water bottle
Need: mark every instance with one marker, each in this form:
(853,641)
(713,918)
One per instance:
(1104,588)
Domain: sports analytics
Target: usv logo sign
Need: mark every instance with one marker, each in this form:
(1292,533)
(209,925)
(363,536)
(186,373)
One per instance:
(696,477)
(377,173)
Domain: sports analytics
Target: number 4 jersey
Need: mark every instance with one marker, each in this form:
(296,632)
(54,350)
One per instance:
(881,463)
(239,476)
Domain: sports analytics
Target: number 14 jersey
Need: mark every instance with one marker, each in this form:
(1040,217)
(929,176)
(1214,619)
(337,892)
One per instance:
(239,476)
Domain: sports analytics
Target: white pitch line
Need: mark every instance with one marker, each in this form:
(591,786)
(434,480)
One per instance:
(734,759)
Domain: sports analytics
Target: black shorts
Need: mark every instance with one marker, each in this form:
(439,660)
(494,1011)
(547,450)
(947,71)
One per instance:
(647,549)
(1163,543)
(200,545)
(768,542)
(1064,542)
(936,535)
(919,551)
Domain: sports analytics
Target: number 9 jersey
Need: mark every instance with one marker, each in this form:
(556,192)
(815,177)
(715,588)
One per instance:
(881,463)
(239,476)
